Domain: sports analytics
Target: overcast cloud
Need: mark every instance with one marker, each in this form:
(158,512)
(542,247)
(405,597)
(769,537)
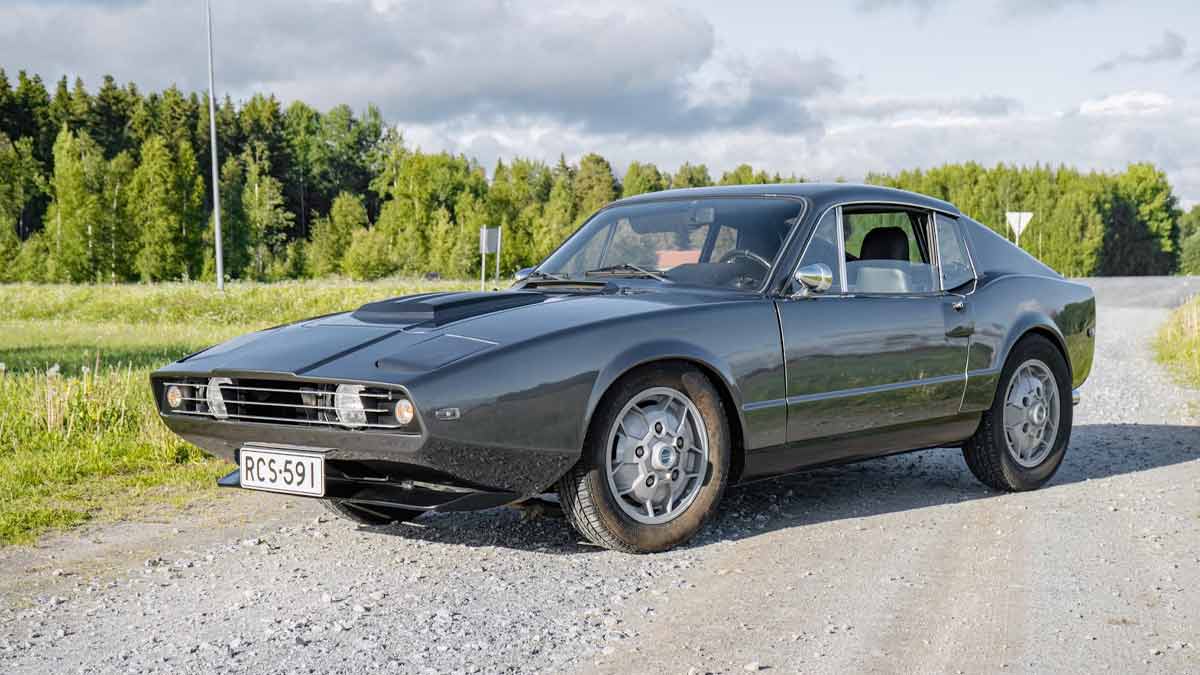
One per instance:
(824,92)
(1170,48)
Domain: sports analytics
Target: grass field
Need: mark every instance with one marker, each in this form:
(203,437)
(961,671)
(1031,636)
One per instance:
(1178,343)
(79,435)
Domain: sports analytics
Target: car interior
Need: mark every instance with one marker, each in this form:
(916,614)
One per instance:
(887,251)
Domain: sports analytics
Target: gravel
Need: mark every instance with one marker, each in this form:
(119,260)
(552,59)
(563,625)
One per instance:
(899,564)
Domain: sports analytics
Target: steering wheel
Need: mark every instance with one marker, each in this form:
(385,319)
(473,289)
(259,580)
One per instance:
(736,253)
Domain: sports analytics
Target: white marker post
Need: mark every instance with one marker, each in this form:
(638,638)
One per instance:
(1018,221)
(489,242)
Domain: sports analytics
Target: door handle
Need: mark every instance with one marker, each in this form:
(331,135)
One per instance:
(959,306)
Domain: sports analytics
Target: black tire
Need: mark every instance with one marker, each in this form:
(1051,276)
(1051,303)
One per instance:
(368,514)
(586,496)
(986,452)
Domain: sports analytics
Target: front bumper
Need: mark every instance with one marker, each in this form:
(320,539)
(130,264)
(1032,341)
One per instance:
(520,472)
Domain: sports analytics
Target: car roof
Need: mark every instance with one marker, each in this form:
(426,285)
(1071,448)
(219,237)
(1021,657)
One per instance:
(822,194)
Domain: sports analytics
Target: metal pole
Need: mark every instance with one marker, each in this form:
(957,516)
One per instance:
(482,268)
(216,171)
(499,235)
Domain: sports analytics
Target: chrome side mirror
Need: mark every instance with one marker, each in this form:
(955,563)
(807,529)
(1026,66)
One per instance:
(814,278)
(522,274)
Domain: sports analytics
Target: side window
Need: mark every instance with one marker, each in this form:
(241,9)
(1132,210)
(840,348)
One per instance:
(952,254)
(887,250)
(823,248)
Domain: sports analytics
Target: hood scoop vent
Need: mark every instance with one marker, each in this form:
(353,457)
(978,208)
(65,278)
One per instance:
(438,309)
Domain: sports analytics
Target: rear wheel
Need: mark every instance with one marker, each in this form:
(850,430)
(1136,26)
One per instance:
(368,514)
(654,464)
(1023,437)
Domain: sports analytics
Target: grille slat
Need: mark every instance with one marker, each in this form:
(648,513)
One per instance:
(286,402)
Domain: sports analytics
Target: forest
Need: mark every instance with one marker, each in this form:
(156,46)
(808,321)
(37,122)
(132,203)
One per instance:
(114,185)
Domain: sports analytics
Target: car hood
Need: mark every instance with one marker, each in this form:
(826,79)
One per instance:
(420,333)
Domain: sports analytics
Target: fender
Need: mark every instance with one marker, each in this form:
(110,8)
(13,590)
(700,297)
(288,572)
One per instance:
(666,349)
(983,384)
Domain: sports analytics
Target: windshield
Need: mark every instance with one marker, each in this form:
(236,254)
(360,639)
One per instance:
(715,242)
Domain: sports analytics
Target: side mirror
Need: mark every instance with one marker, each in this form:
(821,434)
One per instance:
(522,274)
(814,278)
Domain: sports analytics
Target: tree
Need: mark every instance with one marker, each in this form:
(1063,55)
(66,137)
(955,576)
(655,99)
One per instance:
(117,240)
(267,220)
(1155,216)
(110,117)
(76,213)
(641,178)
(166,206)
(1189,241)
(368,257)
(595,184)
(332,235)
(21,181)
(744,174)
(236,238)
(691,175)
(558,216)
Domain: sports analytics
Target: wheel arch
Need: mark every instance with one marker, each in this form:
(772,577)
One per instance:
(1038,325)
(675,351)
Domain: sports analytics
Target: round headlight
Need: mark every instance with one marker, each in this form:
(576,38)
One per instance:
(174,396)
(348,404)
(404,412)
(216,401)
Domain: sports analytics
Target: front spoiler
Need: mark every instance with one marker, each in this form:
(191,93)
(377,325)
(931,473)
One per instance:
(409,495)
(493,468)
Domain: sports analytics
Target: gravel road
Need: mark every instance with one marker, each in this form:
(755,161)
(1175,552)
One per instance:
(904,564)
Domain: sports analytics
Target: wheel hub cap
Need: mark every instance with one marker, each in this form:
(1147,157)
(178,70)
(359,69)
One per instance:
(658,455)
(1031,412)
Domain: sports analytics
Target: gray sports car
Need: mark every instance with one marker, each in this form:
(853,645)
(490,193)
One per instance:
(678,342)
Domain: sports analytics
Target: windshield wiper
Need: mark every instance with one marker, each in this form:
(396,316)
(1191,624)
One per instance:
(546,275)
(626,269)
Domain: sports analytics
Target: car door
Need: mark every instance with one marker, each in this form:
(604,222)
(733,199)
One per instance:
(884,347)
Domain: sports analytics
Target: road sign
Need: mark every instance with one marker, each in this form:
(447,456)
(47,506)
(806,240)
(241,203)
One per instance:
(1018,221)
(489,242)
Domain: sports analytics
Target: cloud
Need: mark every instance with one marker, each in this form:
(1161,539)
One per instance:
(880,108)
(1171,48)
(1009,8)
(1127,104)
(1036,7)
(648,68)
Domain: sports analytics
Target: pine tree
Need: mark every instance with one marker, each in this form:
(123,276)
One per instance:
(595,184)
(166,205)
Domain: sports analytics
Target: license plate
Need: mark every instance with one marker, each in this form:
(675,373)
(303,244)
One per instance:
(301,473)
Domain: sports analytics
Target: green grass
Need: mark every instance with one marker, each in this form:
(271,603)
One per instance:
(79,435)
(1178,343)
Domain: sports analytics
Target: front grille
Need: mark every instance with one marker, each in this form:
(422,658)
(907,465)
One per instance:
(284,402)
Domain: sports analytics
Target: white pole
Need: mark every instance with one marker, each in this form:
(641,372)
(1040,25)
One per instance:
(482,268)
(216,171)
(499,235)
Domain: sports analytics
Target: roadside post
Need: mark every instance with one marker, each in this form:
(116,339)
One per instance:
(489,242)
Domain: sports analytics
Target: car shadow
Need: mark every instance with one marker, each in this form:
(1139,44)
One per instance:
(886,485)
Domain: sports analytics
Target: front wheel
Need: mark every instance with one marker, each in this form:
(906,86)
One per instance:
(654,464)
(1023,437)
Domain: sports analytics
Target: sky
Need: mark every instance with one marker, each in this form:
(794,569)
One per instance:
(824,90)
